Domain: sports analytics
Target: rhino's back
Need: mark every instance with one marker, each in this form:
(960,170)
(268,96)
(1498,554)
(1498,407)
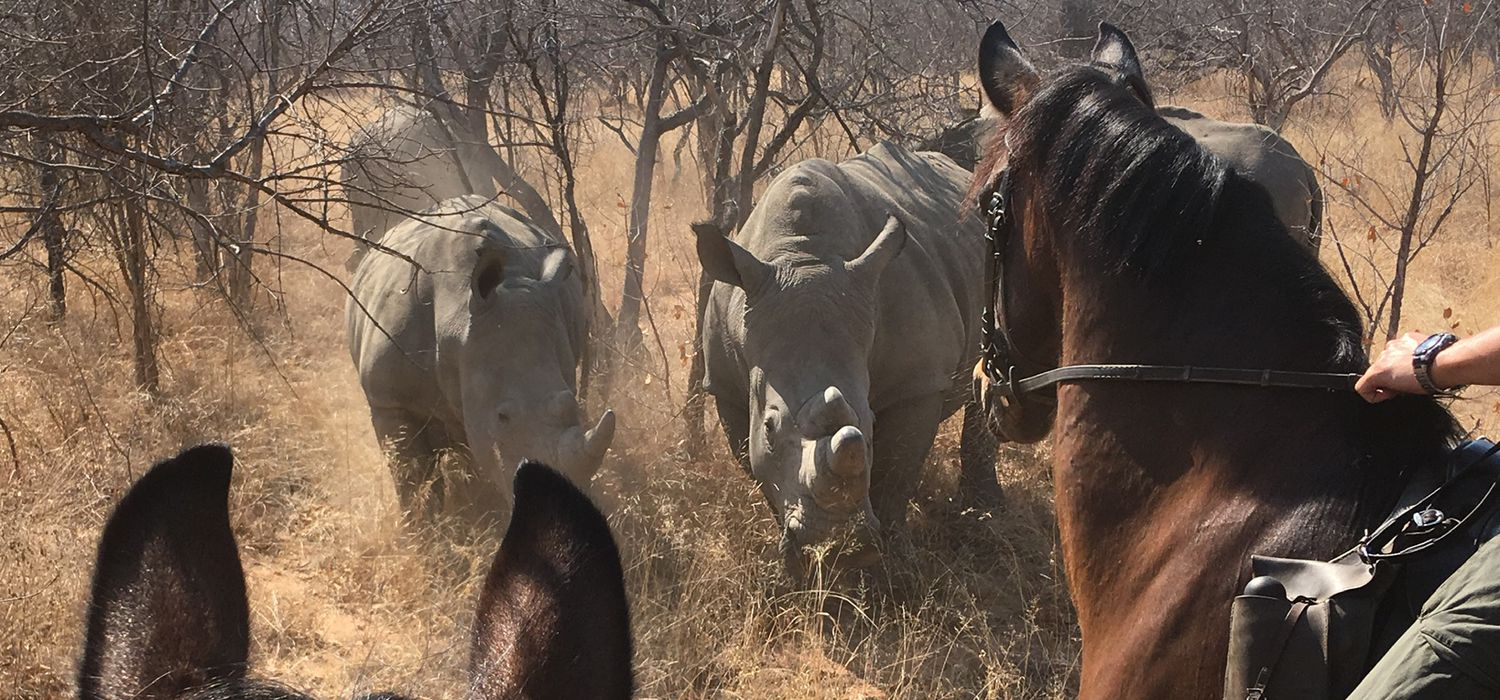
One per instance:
(929,295)
(401,315)
(1260,155)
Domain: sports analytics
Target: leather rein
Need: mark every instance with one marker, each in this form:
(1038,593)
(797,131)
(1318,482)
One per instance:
(1000,356)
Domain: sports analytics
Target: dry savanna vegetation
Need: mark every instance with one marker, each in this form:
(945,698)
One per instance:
(344,597)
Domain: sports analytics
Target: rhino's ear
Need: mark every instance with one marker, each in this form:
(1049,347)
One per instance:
(557,266)
(1008,79)
(168,612)
(728,262)
(489,272)
(553,620)
(882,251)
(1114,51)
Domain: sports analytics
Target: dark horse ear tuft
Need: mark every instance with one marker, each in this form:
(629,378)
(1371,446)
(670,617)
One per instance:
(1113,50)
(168,612)
(553,620)
(1008,79)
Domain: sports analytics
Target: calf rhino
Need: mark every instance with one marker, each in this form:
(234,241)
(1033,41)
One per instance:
(475,345)
(838,334)
(1258,153)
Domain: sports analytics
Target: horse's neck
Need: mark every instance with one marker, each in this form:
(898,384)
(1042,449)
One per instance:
(1163,491)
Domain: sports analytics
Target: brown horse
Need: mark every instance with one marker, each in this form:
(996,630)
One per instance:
(169,620)
(1131,244)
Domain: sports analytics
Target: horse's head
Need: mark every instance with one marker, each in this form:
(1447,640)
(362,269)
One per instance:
(169,618)
(1050,189)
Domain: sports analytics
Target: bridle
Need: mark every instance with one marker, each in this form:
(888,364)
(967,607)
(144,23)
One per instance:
(1002,362)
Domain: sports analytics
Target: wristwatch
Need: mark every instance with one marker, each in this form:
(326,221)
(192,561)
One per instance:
(1426,354)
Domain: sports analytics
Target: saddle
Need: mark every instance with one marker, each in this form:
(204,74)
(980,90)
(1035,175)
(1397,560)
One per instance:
(1312,629)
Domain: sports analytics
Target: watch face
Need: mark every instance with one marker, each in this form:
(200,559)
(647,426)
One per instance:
(1433,341)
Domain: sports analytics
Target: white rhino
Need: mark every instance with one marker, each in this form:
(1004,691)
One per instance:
(839,332)
(409,160)
(477,347)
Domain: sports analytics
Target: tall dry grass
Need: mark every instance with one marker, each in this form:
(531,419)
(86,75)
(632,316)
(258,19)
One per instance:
(343,600)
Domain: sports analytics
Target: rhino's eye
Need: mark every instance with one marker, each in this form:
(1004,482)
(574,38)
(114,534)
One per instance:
(769,433)
(503,416)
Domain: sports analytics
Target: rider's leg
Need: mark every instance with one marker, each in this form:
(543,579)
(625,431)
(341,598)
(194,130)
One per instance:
(1452,652)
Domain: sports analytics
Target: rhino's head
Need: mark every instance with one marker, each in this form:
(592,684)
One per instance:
(516,371)
(809,327)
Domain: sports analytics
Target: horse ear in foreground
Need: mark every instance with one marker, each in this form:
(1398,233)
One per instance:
(553,621)
(168,617)
(168,612)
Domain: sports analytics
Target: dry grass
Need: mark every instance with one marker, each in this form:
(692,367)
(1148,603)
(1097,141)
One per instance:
(343,600)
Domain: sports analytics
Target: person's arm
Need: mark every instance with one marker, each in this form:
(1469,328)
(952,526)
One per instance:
(1473,360)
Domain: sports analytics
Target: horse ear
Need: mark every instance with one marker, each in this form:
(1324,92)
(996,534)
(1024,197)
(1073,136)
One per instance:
(489,271)
(168,612)
(553,621)
(557,266)
(1114,51)
(1008,79)
(728,262)
(886,246)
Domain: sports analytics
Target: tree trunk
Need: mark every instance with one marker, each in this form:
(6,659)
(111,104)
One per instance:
(1419,185)
(135,262)
(627,328)
(692,412)
(205,247)
(50,225)
(242,271)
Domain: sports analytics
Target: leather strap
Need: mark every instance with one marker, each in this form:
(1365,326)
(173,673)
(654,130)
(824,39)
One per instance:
(1331,381)
(1284,635)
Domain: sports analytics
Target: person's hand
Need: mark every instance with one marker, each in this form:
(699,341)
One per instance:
(1391,373)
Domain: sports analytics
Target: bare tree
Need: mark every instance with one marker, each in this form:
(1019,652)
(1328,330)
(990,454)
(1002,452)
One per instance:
(1447,108)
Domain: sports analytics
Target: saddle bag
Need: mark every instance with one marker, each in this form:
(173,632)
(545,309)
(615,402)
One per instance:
(1310,630)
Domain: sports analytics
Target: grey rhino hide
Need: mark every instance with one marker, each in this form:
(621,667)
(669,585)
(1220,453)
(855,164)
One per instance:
(478,348)
(827,355)
(407,161)
(1262,156)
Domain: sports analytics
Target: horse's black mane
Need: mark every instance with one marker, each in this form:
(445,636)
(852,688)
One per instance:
(1110,169)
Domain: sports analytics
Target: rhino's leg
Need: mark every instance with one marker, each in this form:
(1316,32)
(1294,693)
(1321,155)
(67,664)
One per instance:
(413,444)
(977,483)
(735,419)
(903,437)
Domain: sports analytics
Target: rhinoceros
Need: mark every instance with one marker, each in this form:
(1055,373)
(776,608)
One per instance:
(842,322)
(1254,151)
(1262,156)
(410,159)
(476,345)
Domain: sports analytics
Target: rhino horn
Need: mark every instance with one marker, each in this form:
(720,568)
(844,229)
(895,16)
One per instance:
(834,410)
(886,246)
(846,452)
(597,439)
